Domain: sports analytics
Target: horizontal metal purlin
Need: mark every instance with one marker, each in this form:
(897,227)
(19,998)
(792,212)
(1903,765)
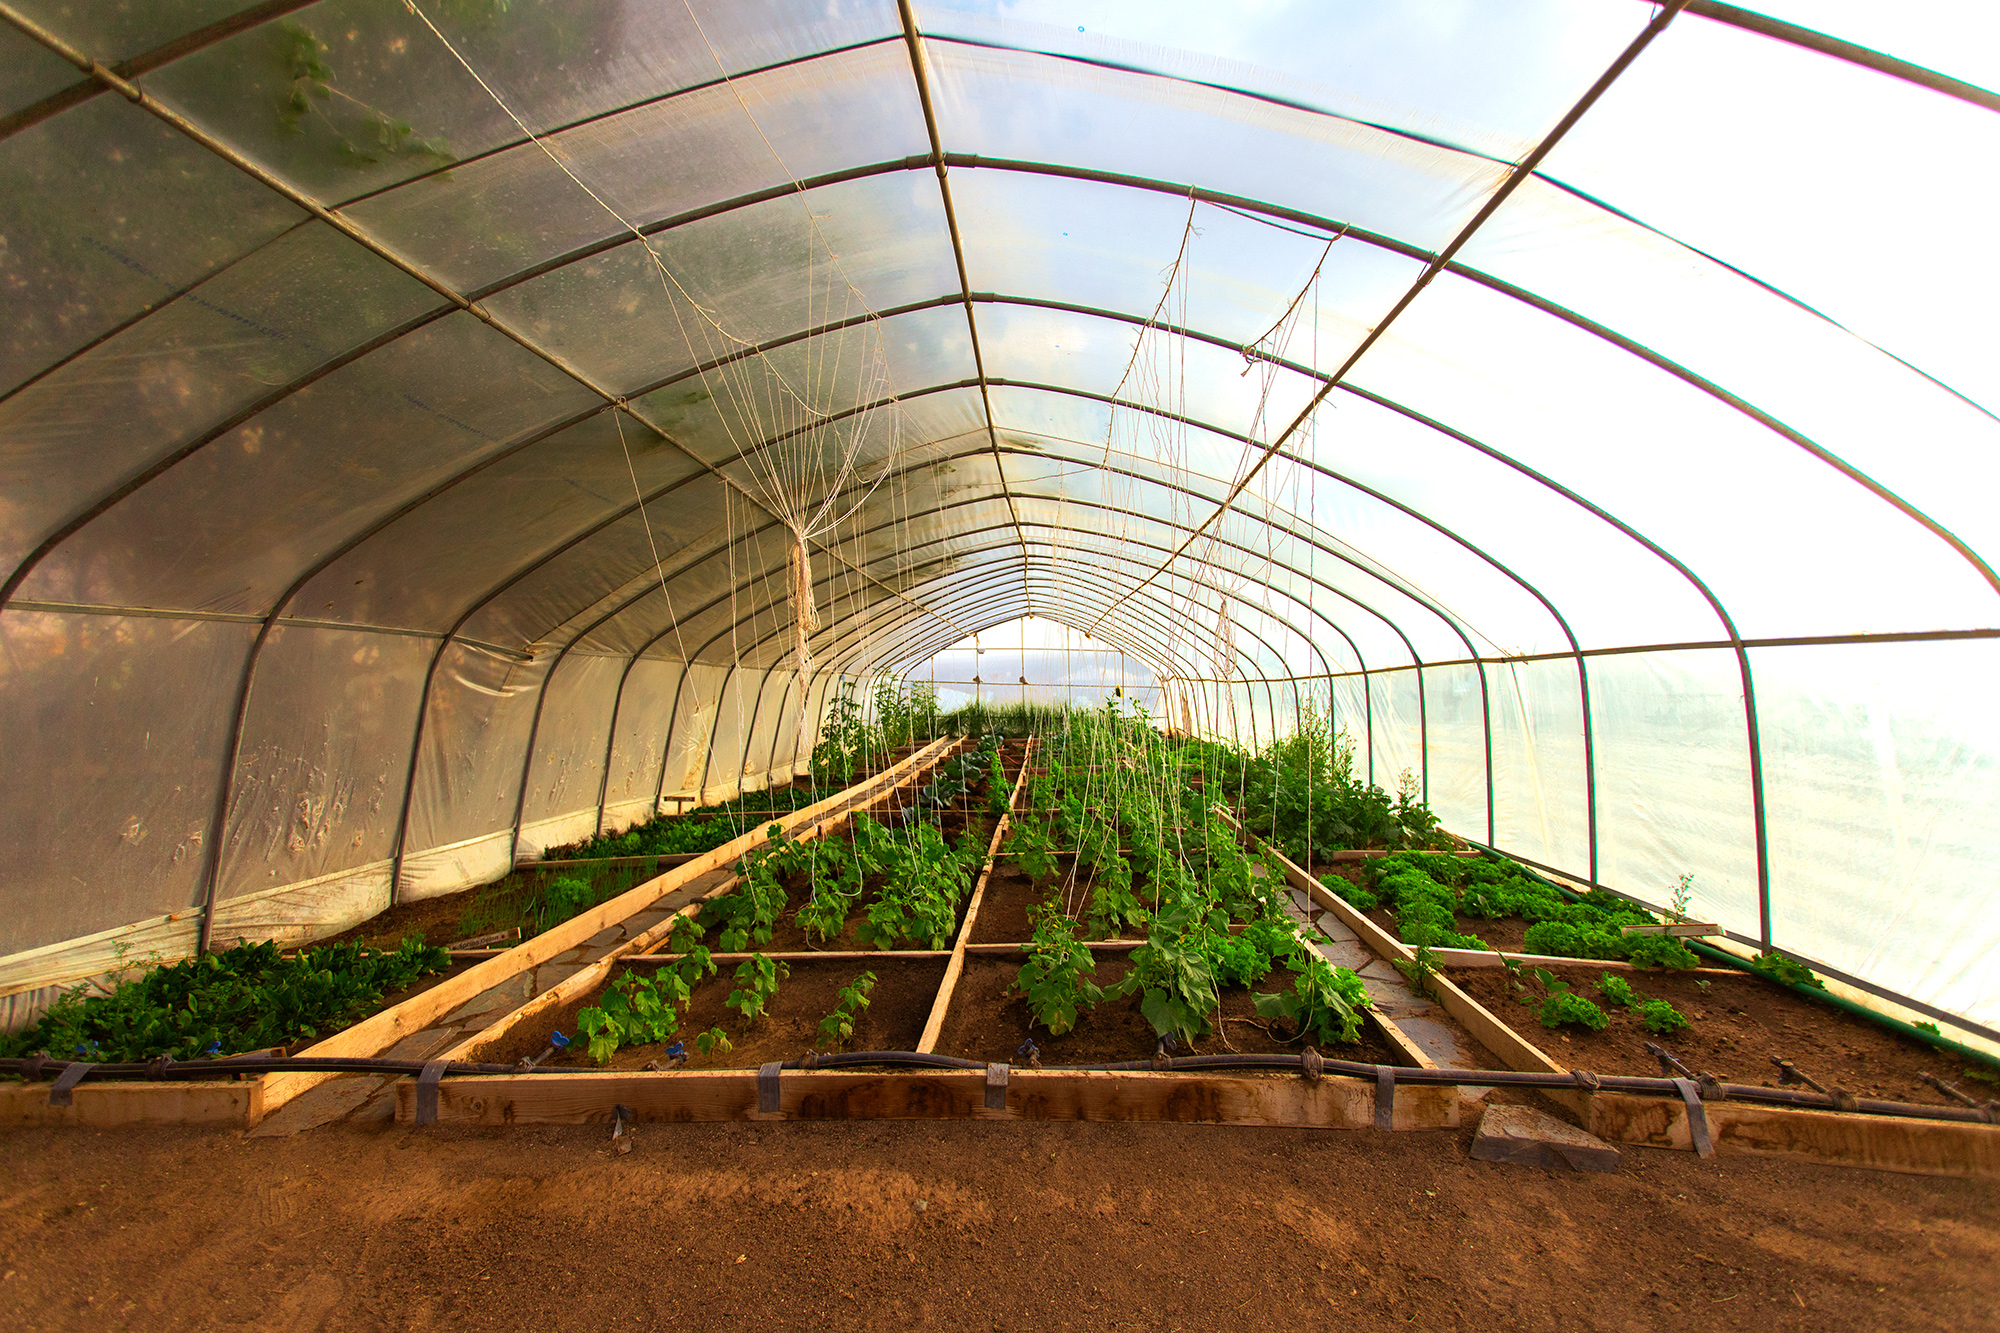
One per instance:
(1724,645)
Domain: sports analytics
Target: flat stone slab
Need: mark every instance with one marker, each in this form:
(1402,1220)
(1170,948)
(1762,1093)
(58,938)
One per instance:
(1523,1136)
(1350,954)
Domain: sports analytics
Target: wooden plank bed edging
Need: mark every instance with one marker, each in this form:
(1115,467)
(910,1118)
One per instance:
(1515,1051)
(230,1102)
(378,1033)
(1836,1138)
(934,1025)
(686,1097)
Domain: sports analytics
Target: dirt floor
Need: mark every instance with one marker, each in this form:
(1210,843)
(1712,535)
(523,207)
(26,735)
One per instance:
(964,1226)
(1736,1025)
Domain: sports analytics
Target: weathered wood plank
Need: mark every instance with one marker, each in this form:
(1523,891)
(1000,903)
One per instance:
(934,1025)
(944,1094)
(109,1105)
(1880,1142)
(376,1034)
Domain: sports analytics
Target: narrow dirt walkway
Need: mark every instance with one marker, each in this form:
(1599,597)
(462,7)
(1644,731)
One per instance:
(965,1226)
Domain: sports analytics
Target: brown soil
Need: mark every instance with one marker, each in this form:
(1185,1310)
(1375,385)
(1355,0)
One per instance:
(788,1027)
(1003,912)
(1737,1025)
(988,1020)
(1024,1226)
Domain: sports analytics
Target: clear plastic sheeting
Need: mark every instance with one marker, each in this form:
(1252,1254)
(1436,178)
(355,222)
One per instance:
(415,421)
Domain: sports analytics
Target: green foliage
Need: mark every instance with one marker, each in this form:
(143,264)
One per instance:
(837,1028)
(1303,795)
(713,1042)
(1052,979)
(1173,971)
(355,133)
(836,878)
(997,790)
(1031,848)
(757,979)
(1930,1029)
(924,885)
(1659,951)
(1324,1003)
(1683,898)
(1567,1008)
(247,998)
(1661,1017)
(1780,968)
(748,914)
(638,1010)
(845,741)
(633,1011)
(1618,990)
(560,899)
(1421,971)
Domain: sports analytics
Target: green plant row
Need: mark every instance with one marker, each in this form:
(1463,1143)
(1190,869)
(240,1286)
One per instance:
(1428,893)
(1158,858)
(248,998)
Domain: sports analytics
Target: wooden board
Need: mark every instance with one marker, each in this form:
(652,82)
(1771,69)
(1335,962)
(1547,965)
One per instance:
(108,1105)
(1514,1051)
(1885,1143)
(378,1033)
(934,1025)
(1500,958)
(942,1095)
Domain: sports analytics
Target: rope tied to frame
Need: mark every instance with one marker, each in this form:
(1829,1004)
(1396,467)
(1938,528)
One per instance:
(805,614)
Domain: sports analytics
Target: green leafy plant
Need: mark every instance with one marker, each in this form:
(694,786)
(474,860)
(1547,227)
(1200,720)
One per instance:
(1661,1017)
(757,979)
(1032,849)
(1421,971)
(1777,967)
(634,1010)
(1558,1010)
(251,997)
(1930,1029)
(713,1042)
(1660,951)
(1324,1003)
(837,1028)
(1618,990)
(1683,897)
(1052,979)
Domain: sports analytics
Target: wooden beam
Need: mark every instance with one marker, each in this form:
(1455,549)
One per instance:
(1501,957)
(934,1025)
(110,1105)
(1513,1050)
(1880,1142)
(722,1095)
(378,1033)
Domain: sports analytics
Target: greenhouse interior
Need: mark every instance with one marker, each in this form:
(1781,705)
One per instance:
(656,566)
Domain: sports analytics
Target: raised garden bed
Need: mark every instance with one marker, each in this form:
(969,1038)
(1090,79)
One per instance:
(1736,1023)
(893,1021)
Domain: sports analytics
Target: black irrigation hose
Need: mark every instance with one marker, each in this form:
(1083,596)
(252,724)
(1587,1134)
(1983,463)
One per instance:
(35,1069)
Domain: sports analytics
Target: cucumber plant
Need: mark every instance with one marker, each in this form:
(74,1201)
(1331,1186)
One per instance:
(757,979)
(837,1028)
(1052,979)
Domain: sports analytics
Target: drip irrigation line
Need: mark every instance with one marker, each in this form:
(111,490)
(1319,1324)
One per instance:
(1311,1065)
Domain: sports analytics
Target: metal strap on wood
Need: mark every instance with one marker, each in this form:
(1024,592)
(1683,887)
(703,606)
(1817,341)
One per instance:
(1385,1097)
(427,1091)
(996,1087)
(63,1093)
(767,1087)
(1697,1117)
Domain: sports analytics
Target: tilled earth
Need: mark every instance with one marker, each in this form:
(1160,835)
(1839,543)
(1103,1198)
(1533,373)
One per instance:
(890,1225)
